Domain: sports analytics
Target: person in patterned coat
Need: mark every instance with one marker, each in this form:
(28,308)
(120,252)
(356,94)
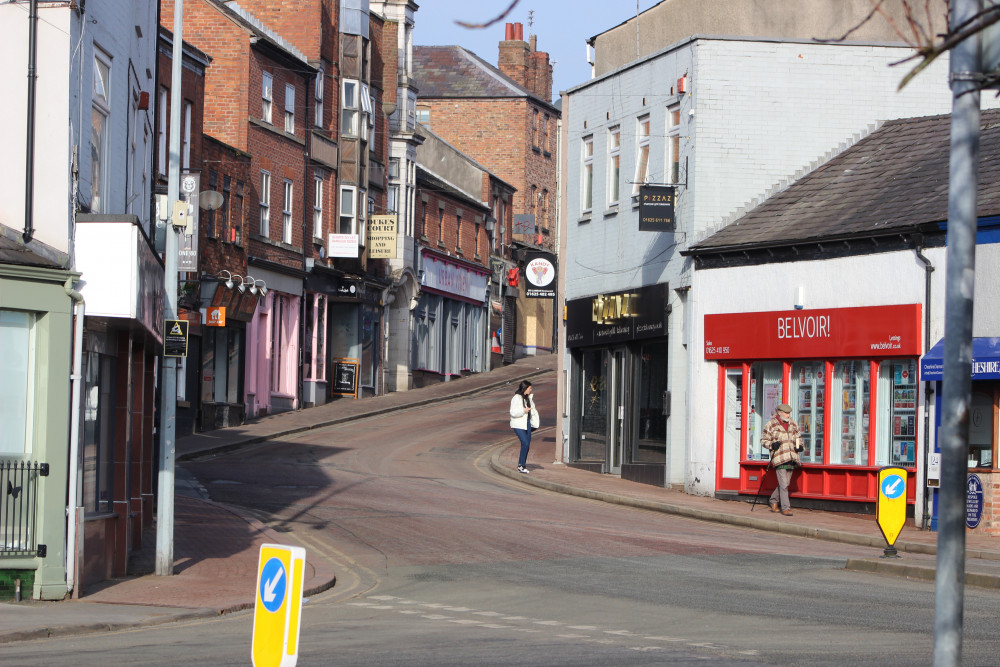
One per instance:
(781,435)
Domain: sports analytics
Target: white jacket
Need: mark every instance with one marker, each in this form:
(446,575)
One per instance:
(519,416)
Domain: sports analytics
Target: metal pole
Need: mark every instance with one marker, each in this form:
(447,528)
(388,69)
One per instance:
(956,390)
(168,399)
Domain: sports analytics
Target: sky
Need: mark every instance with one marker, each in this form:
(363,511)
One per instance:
(563,28)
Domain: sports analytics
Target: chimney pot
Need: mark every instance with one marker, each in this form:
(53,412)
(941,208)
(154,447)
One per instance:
(509,33)
(519,32)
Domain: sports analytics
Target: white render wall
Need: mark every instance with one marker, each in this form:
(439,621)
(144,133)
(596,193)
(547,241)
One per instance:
(755,113)
(64,95)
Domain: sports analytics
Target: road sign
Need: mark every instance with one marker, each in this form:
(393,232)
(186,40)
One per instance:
(278,607)
(890,510)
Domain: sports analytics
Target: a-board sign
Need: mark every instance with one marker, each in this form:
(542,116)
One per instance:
(278,605)
(175,338)
(345,377)
(890,508)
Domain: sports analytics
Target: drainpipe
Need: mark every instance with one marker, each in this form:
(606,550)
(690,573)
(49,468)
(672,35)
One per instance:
(29,168)
(76,378)
(928,386)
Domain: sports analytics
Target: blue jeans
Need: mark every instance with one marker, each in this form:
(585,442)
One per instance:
(524,435)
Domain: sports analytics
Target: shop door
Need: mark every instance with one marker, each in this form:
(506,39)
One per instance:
(733,429)
(617,437)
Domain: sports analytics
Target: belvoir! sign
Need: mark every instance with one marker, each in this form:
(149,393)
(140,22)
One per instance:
(867,331)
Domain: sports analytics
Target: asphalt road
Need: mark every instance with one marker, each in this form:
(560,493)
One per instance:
(441,562)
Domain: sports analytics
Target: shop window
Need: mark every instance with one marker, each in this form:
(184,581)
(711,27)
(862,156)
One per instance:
(370,325)
(221,351)
(982,425)
(594,401)
(896,437)
(97,432)
(733,423)
(850,413)
(766,389)
(651,443)
(17,370)
(806,395)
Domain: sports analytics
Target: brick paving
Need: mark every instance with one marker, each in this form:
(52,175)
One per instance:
(216,547)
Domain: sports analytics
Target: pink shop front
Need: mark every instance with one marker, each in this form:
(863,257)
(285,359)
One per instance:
(850,375)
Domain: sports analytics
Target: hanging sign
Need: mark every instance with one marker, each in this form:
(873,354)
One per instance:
(656,208)
(187,240)
(540,274)
(215,316)
(343,245)
(382,231)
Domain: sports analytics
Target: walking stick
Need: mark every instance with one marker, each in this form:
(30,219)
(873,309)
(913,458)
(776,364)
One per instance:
(761,487)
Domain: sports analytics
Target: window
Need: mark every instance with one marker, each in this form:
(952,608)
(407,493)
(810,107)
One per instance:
(545,133)
(97,436)
(587,175)
(100,112)
(424,116)
(349,108)
(651,444)
(289,109)
(17,363)
(236,228)
(641,153)
(223,213)
(266,94)
(318,207)
(441,224)
(545,209)
(458,232)
(265,204)
(766,387)
(208,216)
(534,128)
(896,438)
(392,199)
(286,214)
(318,96)
(849,413)
(614,164)
(186,137)
(806,396)
(161,134)
(475,246)
(348,209)
(371,116)
(674,144)
(423,220)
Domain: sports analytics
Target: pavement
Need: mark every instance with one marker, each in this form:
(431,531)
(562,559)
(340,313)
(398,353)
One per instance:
(216,546)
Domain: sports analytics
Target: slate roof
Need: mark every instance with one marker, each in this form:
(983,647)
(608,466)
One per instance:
(452,71)
(893,181)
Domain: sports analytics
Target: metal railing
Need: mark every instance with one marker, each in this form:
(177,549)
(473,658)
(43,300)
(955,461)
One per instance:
(19,508)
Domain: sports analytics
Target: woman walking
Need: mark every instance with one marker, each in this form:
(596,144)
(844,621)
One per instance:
(523,419)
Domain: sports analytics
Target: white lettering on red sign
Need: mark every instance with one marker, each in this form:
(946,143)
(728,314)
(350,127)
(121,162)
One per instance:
(805,326)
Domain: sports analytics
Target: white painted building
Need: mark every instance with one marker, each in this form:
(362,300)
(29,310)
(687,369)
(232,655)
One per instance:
(722,121)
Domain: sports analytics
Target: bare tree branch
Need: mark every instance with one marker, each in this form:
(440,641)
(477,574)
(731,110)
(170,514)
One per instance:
(478,26)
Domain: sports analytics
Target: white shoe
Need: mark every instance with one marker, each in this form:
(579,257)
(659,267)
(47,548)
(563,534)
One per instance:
(523,469)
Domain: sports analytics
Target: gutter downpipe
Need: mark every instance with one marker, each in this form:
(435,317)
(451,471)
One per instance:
(72,507)
(928,386)
(29,168)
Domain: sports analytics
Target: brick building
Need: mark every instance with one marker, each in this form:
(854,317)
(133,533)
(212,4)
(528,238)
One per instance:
(470,103)
(454,245)
(256,94)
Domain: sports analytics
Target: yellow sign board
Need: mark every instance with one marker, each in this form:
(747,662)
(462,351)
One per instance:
(890,510)
(382,236)
(278,607)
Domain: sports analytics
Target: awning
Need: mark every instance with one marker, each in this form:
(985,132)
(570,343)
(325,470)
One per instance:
(985,360)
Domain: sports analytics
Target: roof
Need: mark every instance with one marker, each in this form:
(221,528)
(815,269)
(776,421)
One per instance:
(894,180)
(452,71)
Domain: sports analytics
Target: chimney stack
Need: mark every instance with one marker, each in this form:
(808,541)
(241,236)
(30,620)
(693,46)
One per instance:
(523,63)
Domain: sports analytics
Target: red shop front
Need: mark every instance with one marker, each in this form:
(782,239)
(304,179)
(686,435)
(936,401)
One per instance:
(850,375)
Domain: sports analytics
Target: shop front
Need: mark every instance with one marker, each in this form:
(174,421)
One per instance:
(850,375)
(984,426)
(619,401)
(451,319)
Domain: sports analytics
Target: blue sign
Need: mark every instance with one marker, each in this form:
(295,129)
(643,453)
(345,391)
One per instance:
(893,486)
(272,585)
(974,501)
